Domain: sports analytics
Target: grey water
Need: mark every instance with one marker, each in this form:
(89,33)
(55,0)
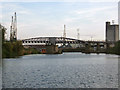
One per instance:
(67,70)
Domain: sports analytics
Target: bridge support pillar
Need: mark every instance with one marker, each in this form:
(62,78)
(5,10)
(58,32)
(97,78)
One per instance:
(98,47)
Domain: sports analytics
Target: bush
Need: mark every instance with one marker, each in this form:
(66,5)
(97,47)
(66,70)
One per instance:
(12,49)
(115,50)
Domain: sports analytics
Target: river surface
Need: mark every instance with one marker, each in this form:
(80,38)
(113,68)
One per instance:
(68,70)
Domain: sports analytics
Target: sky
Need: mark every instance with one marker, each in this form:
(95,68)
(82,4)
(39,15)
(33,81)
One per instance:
(41,19)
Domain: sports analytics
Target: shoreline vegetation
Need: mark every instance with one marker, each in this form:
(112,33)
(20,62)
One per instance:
(15,49)
(115,49)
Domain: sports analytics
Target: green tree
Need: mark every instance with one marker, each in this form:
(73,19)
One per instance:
(117,48)
(7,50)
(3,32)
(17,48)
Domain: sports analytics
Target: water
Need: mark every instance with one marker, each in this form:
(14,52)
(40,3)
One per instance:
(68,70)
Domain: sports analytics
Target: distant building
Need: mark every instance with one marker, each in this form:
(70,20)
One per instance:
(112,32)
(119,16)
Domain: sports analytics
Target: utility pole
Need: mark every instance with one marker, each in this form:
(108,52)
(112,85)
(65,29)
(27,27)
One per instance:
(15,27)
(91,38)
(64,34)
(78,34)
(11,30)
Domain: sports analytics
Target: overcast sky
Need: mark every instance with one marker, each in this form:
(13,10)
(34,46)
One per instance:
(38,19)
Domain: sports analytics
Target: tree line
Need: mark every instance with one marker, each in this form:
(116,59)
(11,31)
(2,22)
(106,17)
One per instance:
(13,49)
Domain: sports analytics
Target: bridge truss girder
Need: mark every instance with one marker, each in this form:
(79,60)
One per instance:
(51,40)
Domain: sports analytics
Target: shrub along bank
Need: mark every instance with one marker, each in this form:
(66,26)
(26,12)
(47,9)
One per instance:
(114,50)
(15,49)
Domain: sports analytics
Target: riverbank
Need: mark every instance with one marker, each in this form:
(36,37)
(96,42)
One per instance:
(84,50)
(15,50)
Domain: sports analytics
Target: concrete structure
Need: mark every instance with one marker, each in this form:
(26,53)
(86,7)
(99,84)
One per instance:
(119,16)
(112,32)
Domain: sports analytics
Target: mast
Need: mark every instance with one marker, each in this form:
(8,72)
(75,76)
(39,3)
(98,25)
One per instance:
(78,34)
(64,35)
(13,28)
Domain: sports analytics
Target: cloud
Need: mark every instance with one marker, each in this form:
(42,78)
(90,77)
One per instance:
(91,14)
(24,12)
(91,21)
(14,7)
(94,10)
(8,10)
(0,6)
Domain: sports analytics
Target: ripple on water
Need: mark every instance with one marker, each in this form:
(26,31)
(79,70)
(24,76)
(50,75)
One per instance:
(62,71)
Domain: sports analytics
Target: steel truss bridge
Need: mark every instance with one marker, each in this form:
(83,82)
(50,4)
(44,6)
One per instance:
(61,40)
(51,40)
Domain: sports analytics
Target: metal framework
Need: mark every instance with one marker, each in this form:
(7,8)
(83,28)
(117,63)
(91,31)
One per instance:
(13,29)
(58,40)
(52,40)
(64,42)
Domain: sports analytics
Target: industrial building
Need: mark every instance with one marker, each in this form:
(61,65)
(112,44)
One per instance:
(112,32)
